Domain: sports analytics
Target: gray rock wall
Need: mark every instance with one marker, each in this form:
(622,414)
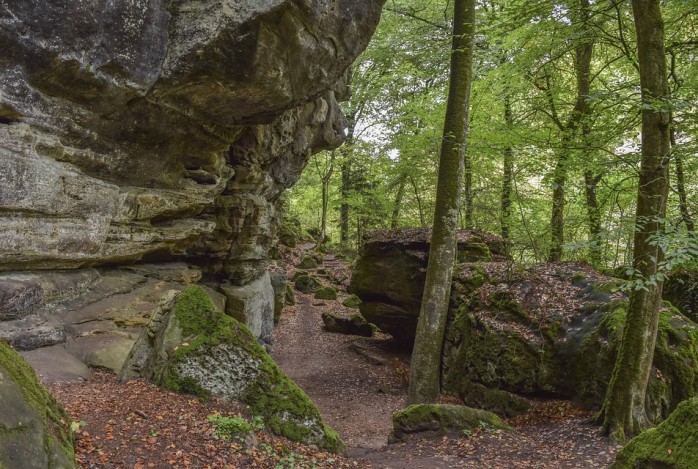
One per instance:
(156,130)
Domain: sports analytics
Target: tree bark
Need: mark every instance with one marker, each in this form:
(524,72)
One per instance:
(346,188)
(591,182)
(583,53)
(508,173)
(326,177)
(623,411)
(681,187)
(425,369)
(395,218)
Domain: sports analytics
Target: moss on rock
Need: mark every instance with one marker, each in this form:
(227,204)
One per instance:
(500,402)
(306,284)
(672,444)
(442,419)
(34,428)
(352,301)
(217,355)
(326,293)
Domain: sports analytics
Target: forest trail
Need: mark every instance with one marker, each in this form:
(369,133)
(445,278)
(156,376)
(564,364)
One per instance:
(357,394)
(356,398)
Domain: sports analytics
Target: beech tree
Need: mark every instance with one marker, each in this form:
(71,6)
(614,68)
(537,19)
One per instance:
(425,367)
(623,412)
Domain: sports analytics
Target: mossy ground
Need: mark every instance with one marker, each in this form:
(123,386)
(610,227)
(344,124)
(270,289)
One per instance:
(326,293)
(284,406)
(55,419)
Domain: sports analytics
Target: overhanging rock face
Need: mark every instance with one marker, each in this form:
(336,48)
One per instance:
(160,132)
(132,127)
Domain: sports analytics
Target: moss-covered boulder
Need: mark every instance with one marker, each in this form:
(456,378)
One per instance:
(191,347)
(354,324)
(326,293)
(352,301)
(673,444)
(439,419)
(34,429)
(500,402)
(554,329)
(389,275)
(681,290)
(308,262)
(306,284)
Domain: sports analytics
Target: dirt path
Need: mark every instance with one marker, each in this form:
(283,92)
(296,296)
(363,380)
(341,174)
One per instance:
(356,397)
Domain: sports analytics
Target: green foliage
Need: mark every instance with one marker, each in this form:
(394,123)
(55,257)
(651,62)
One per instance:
(236,426)
(525,52)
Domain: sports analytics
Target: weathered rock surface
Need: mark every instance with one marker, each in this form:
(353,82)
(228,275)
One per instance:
(34,429)
(389,275)
(671,444)
(547,329)
(164,128)
(189,346)
(253,305)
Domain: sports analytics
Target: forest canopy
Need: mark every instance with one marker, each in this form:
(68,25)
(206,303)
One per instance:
(555,119)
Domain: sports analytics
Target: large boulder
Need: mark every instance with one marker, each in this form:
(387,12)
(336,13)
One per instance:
(389,275)
(547,329)
(34,430)
(555,329)
(681,290)
(440,419)
(252,305)
(190,346)
(670,445)
(163,128)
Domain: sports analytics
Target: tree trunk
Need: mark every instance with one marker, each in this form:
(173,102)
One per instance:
(325,197)
(422,221)
(508,173)
(623,411)
(583,53)
(591,182)
(425,369)
(468,190)
(346,182)
(394,220)
(681,187)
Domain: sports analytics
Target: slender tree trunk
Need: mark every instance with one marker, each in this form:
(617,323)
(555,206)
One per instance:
(425,369)
(591,182)
(681,187)
(325,197)
(346,188)
(422,221)
(583,53)
(394,220)
(508,173)
(623,411)
(468,190)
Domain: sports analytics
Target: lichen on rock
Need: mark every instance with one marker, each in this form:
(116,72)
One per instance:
(192,347)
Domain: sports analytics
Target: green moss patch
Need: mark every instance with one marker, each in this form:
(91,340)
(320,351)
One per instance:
(352,301)
(286,409)
(54,422)
(326,293)
(672,444)
(443,419)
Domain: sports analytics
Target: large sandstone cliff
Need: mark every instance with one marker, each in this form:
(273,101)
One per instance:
(157,131)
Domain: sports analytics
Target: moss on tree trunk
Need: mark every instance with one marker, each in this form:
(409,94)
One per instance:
(426,355)
(623,412)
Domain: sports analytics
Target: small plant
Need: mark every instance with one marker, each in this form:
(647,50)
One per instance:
(230,427)
(467,432)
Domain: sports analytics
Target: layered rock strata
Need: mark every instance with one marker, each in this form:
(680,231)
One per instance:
(157,131)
